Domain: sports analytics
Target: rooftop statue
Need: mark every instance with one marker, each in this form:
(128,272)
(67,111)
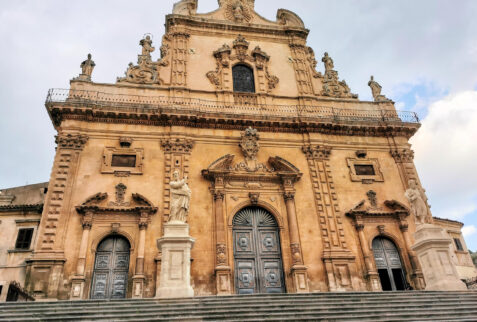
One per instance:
(87,67)
(376,91)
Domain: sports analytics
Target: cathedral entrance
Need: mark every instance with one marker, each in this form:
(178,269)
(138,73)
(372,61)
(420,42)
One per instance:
(257,252)
(388,263)
(111,266)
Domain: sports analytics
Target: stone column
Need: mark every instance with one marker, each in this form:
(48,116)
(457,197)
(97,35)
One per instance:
(372,274)
(300,277)
(432,248)
(139,278)
(222,269)
(78,280)
(416,275)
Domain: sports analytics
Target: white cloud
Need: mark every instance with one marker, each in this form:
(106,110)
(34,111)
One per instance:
(446,150)
(468,230)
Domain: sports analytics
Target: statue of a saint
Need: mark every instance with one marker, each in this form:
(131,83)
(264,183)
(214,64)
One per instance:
(87,67)
(417,199)
(180,198)
(146,44)
(328,62)
(375,88)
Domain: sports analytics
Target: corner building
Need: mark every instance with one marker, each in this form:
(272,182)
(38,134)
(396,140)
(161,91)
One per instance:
(297,185)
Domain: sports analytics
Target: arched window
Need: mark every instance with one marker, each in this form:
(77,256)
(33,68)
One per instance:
(243,79)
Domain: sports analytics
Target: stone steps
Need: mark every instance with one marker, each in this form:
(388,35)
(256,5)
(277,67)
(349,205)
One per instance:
(351,306)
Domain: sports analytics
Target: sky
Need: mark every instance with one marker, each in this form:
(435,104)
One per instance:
(423,53)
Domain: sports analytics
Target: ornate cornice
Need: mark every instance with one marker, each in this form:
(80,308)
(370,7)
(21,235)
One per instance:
(71,141)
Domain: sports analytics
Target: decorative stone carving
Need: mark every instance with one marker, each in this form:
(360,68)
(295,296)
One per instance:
(180,198)
(146,71)
(372,198)
(221,255)
(317,152)
(313,63)
(361,154)
(177,145)
(331,85)
(238,10)
(185,7)
(376,91)
(225,60)
(120,193)
(402,156)
(125,142)
(296,253)
(87,67)
(418,201)
(254,197)
(288,18)
(71,141)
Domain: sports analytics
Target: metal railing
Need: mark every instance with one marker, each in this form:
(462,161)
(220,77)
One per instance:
(162,104)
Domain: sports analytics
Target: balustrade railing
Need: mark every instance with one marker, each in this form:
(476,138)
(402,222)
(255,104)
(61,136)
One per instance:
(159,104)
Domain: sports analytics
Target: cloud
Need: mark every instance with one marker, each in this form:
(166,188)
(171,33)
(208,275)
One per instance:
(468,230)
(445,149)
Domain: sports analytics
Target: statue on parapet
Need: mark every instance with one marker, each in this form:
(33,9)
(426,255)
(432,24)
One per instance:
(329,65)
(180,198)
(87,67)
(146,44)
(376,91)
(418,201)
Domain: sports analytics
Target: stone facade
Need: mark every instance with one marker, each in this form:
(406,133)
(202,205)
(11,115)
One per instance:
(320,174)
(20,210)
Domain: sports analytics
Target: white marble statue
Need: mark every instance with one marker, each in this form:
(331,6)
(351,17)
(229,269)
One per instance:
(417,199)
(180,198)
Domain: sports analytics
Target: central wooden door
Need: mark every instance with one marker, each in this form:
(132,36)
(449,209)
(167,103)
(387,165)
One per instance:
(257,252)
(111,267)
(388,263)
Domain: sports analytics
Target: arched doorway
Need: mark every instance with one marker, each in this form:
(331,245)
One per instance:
(389,265)
(111,266)
(257,252)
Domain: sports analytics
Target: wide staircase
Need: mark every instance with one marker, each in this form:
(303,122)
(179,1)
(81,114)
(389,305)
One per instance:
(350,306)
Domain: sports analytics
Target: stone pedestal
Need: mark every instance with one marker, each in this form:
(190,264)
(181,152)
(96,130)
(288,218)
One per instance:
(432,248)
(175,247)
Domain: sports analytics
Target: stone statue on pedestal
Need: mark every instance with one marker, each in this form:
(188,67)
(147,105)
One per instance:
(87,67)
(376,91)
(180,198)
(417,199)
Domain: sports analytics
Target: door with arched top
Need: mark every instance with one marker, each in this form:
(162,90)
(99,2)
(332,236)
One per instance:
(111,267)
(257,252)
(389,265)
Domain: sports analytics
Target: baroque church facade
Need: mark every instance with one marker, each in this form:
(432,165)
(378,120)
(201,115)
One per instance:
(296,184)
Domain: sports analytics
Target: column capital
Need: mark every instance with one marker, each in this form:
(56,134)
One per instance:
(87,220)
(218,195)
(289,195)
(71,141)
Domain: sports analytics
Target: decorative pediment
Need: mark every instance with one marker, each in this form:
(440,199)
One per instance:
(99,203)
(250,168)
(371,207)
